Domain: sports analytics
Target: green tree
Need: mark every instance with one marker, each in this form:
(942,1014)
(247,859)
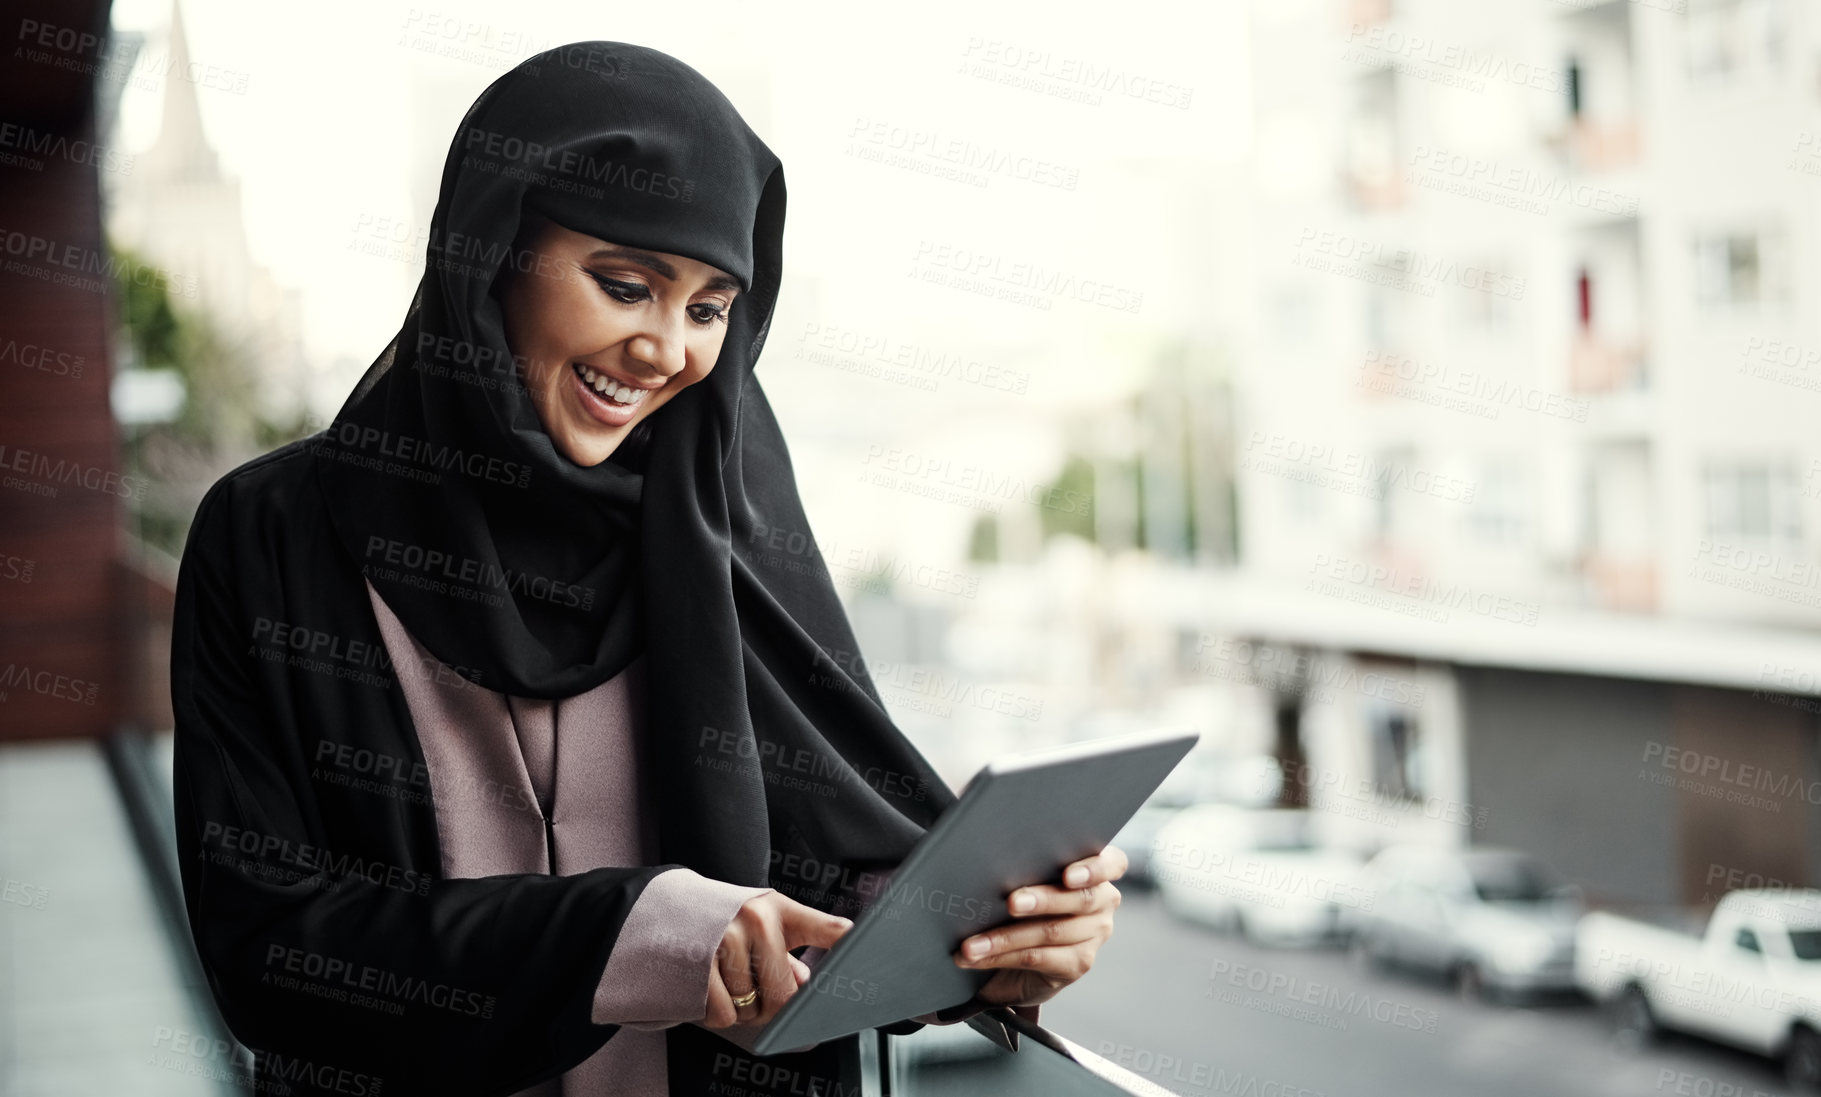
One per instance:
(220,424)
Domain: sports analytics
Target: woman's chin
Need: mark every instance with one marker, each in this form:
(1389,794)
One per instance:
(590,447)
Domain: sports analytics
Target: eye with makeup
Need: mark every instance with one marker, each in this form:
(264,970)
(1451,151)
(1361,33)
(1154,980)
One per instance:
(704,313)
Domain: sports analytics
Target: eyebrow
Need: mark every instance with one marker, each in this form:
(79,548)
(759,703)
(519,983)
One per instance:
(660,265)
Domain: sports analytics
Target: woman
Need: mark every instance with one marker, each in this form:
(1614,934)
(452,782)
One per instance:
(503,764)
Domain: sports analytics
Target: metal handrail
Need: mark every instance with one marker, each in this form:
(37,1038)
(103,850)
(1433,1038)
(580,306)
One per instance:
(1036,1061)
(146,799)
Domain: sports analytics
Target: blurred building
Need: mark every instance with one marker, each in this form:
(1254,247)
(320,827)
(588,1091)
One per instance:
(76,605)
(180,209)
(1524,420)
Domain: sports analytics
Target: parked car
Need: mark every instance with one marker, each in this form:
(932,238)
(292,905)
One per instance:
(1496,921)
(1138,836)
(1753,980)
(1203,777)
(1253,871)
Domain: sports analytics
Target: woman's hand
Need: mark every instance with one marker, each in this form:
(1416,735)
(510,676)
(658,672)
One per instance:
(1053,942)
(754,954)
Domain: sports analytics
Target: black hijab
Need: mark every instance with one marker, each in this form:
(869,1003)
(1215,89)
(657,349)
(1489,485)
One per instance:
(540,578)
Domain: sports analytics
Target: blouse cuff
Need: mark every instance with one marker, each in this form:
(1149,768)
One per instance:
(658,972)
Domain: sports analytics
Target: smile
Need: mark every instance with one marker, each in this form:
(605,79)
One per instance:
(609,389)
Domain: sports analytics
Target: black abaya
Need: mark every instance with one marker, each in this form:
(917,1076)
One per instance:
(310,874)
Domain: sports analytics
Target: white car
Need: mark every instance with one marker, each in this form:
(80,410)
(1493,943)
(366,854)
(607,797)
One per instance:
(1253,871)
(1137,837)
(1752,981)
(1496,921)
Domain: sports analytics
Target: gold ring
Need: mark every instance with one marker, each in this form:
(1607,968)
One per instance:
(746,999)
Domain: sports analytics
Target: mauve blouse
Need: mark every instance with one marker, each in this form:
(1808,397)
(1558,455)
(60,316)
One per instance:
(514,779)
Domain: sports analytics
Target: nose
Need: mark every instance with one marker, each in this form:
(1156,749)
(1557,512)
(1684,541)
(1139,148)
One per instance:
(660,345)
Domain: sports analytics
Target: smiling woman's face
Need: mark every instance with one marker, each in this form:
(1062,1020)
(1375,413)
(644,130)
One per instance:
(606,334)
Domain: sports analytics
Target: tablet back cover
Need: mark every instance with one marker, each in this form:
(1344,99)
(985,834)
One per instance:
(1018,821)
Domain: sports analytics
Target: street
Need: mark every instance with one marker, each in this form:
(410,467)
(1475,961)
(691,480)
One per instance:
(1222,1015)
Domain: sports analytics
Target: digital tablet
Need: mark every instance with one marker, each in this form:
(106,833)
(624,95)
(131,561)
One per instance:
(1017,822)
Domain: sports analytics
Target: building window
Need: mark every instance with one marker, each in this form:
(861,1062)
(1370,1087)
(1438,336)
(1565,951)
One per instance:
(1392,467)
(1729,40)
(1497,514)
(1753,501)
(1397,754)
(1492,304)
(1619,501)
(1294,314)
(1307,503)
(1370,150)
(1741,267)
(1381,318)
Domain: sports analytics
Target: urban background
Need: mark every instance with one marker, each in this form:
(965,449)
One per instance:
(1416,398)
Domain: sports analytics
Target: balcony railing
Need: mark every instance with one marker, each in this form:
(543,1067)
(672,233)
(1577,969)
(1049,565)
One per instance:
(1598,365)
(1005,1056)
(1588,145)
(1618,583)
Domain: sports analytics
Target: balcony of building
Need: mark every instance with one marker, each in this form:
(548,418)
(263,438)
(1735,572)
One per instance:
(1595,127)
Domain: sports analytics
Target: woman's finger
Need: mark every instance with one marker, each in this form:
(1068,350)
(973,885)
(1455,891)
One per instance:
(771,965)
(721,1012)
(736,973)
(805,925)
(1063,963)
(991,948)
(1039,899)
(1109,864)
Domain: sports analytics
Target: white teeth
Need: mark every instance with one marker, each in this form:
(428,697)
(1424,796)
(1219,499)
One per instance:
(608,387)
